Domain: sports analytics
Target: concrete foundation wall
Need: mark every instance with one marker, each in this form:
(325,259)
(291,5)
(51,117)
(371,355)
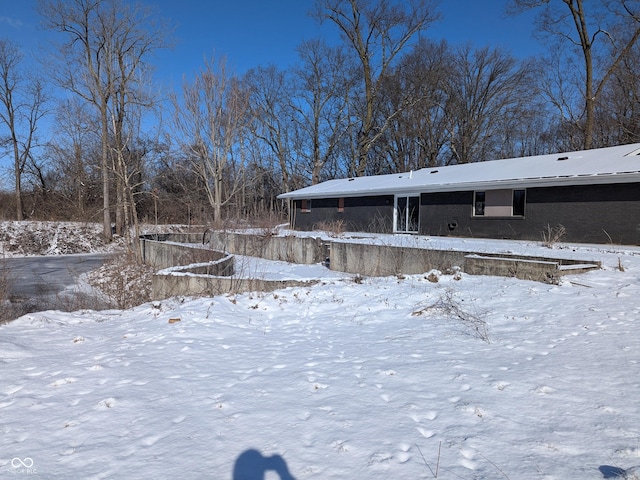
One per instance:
(167,285)
(383,260)
(186,269)
(539,271)
(192,271)
(302,250)
(164,251)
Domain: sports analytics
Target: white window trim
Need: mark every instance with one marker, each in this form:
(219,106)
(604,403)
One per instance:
(395,212)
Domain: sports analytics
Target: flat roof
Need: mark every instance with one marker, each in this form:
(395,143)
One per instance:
(620,164)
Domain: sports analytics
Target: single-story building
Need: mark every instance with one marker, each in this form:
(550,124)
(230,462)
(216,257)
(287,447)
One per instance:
(593,196)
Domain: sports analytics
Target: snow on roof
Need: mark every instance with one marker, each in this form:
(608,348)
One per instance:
(619,164)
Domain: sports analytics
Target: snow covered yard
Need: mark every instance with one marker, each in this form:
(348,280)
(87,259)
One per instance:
(366,379)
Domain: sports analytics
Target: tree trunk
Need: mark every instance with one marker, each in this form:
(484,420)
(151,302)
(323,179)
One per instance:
(106,218)
(18,181)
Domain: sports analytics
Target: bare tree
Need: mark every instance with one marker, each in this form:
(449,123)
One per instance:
(74,151)
(209,118)
(618,112)
(321,106)
(417,135)
(488,90)
(271,109)
(178,193)
(103,61)
(377,32)
(21,108)
(593,25)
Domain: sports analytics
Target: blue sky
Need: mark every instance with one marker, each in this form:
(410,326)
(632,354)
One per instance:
(250,33)
(258,32)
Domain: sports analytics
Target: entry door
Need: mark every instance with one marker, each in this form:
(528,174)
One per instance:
(407,213)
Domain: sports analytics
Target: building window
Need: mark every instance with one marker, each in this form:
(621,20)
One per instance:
(518,203)
(340,205)
(407,214)
(499,203)
(305,206)
(478,204)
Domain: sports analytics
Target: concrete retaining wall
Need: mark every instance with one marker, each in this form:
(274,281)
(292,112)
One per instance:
(536,270)
(167,250)
(187,269)
(192,270)
(292,249)
(383,260)
(167,285)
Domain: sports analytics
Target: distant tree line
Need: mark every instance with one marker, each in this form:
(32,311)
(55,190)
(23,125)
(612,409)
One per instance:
(386,99)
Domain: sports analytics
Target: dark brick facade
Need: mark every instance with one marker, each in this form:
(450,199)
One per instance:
(360,214)
(589,214)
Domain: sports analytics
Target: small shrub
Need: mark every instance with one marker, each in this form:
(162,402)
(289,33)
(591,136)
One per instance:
(4,280)
(552,235)
(5,304)
(123,281)
(267,232)
(334,228)
(433,277)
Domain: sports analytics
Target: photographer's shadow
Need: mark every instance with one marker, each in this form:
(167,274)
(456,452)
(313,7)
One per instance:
(251,465)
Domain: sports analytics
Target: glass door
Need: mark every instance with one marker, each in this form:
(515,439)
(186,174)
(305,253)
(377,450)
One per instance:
(407,214)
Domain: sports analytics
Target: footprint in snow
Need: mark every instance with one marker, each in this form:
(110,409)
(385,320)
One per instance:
(418,417)
(179,419)
(467,458)
(106,403)
(544,390)
(11,389)
(63,381)
(403,457)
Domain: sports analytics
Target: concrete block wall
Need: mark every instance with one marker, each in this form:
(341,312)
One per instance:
(383,260)
(164,251)
(536,270)
(207,271)
(302,250)
(167,285)
(190,270)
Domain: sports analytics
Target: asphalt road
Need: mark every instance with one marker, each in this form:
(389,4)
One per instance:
(45,276)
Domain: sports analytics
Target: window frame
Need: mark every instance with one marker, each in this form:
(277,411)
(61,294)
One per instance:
(486,201)
(407,214)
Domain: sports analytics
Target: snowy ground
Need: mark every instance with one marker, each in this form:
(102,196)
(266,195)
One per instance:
(377,379)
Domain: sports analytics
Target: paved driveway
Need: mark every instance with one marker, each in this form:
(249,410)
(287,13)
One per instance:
(44,276)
